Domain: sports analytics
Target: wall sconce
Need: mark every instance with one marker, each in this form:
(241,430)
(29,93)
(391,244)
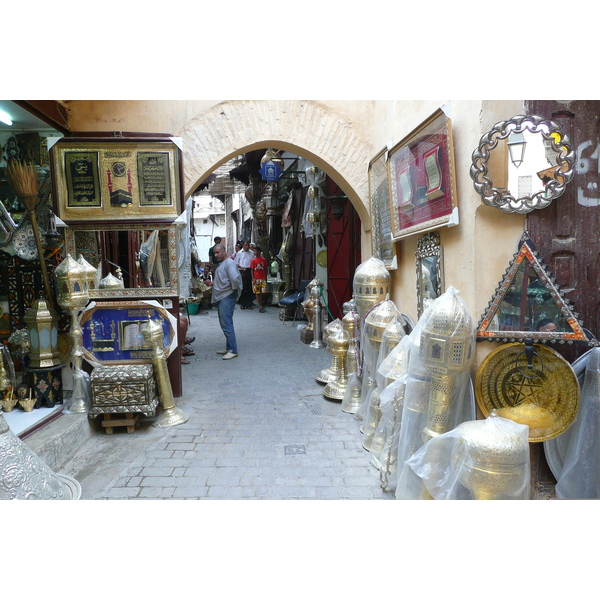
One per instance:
(516,147)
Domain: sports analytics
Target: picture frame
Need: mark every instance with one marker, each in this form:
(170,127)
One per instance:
(382,243)
(422,179)
(116,179)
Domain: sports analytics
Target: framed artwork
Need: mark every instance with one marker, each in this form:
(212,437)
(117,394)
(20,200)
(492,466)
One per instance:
(422,179)
(383,244)
(116,179)
(112,331)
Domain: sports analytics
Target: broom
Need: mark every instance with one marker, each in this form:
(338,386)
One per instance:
(24,179)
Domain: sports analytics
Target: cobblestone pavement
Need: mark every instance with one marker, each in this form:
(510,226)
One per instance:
(259,428)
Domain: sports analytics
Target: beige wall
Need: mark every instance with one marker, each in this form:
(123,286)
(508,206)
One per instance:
(341,137)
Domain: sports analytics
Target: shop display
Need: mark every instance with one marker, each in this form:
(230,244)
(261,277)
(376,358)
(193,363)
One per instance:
(393,333)
(579,477)
(117,180)
(375,323)
(338,346)
(24,476)
(422,179)
(523,164)
(383,246)
(480,460)
(171,415)
(123,389)
(540,391)
(109,247)
(72,296)
(438,394)
(324,375)
(317,341)
(430,270)
(529,305)
(371,285)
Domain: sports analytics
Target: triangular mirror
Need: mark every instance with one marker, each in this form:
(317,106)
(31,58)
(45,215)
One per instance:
(528,304)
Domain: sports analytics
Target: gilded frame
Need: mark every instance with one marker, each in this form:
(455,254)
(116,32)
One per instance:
(116,179)
(422,179)
(382,243)
(133,292)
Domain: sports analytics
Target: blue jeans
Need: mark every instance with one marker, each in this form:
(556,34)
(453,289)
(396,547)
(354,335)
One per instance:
(225,308)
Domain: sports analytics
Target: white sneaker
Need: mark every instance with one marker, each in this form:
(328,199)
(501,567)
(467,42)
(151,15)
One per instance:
(222,351)
(229,355)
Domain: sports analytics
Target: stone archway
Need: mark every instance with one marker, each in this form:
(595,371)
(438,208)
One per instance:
(305,127)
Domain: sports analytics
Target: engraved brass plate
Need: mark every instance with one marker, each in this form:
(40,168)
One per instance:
(545,396)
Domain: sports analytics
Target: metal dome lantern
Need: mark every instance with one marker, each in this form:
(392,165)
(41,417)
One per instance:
(371,285)
(72,282)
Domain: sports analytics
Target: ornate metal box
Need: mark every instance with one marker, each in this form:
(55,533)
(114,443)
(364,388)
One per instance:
(123,389)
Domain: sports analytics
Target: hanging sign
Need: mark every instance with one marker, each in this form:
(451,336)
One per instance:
(270,171)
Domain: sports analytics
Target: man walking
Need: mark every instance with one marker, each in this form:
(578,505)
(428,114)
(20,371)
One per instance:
(243,259)
(227,283)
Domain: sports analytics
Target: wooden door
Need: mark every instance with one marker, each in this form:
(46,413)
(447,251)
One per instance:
(567,233)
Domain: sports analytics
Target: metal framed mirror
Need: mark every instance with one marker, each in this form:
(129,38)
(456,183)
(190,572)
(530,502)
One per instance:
(430,271)
(522,164)
(143,255)
(529,305)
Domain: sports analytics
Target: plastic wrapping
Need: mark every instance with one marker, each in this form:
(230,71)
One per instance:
(384,450)
(580,477)
(477,460)
(438,385)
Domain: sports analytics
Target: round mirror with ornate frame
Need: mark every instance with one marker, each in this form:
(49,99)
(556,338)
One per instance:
(522,164)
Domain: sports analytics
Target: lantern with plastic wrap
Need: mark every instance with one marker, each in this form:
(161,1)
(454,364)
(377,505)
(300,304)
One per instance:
(371,285)
(41,321)
(491,457)
(338,347)
(72,284)
(392,335)
(446,350)
(375,323)
(153,334)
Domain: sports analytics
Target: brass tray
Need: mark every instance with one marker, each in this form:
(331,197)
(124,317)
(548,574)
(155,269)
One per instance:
(544,397)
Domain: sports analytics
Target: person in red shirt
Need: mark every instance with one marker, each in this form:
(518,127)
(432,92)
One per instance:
(259,267)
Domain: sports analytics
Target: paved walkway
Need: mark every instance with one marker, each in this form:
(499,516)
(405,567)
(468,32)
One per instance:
(259,428)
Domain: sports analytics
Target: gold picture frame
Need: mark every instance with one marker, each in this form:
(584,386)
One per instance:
(116,179)
(382,243)
(422,179)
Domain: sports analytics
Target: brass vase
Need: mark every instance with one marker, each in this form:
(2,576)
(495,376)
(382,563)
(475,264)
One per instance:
(338,346)
(329,372)
(153,334)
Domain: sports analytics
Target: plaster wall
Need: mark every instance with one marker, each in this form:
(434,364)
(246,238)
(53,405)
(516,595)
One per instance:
(341,137)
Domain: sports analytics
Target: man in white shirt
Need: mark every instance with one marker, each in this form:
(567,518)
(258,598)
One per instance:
(243,259)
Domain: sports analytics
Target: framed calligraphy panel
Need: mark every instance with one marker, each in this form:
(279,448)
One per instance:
(116,179)
(422,179)
(383,245)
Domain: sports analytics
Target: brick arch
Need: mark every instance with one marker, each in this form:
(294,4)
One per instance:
(304,127)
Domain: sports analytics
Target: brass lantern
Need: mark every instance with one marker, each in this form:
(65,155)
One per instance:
(41,322)
(493,459)
(72,283)
(446,349)
(90,271)
(371,285)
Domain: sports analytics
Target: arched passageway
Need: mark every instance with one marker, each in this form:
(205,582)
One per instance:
(304,127)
